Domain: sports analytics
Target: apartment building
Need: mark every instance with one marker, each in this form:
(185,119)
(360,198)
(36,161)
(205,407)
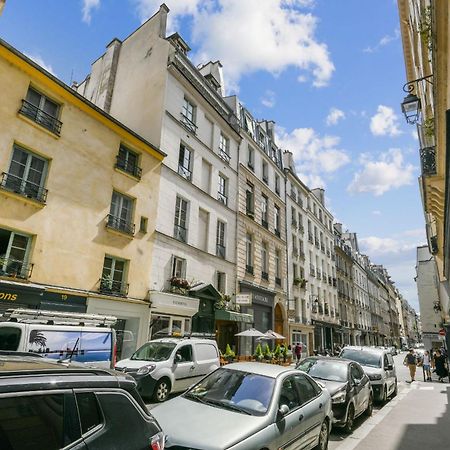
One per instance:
(376,314)
(78,191)
(181,108)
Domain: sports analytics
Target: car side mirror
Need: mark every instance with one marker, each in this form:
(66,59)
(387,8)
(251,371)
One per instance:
(282,411)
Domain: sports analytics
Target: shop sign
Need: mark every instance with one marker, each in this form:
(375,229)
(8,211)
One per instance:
(243,299)
(174,304)
(20,294)
(262,299)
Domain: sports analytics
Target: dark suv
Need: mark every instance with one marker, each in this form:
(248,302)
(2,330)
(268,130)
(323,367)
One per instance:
(45,405)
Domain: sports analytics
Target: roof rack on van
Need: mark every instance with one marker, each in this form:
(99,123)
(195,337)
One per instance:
(184,335)
(55,317)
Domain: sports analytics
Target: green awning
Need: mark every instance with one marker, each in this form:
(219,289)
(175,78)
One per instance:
(222,314)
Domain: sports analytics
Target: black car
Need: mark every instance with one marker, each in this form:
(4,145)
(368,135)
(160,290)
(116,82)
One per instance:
(348,385)
(46,405)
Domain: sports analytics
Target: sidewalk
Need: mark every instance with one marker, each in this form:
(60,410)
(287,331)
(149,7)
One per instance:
(418,418)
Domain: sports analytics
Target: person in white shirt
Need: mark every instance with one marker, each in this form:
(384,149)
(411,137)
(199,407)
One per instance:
(426,364)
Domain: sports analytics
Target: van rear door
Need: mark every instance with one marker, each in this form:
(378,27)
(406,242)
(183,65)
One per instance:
(97,347)
(10,336)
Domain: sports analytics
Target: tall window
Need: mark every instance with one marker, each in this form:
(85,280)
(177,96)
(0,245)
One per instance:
(250,200)
(277,184)
(277,220)
(250,158)
(26,175)
(264,211)
(224,148)
(222,192)
(178,267)
(127,161)
(220,239)
(113,276)
(249,253)
(14,249)
(221,282)
(265,172)
(278,267)
(120,213)
(293,217)
(264,261)
(180,228)
(185,162)
(188,115)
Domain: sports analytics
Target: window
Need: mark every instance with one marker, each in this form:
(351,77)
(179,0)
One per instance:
(289,394)
(113,276)
(188,115)
(185,162)
(10,338)
(26,175)
(180,225)
(277,184)
(221,282)
(224,148)
(249,253)
(222,193)
(278,267)
(89,411)
(250,200)
(206,175)
(293,217)
(264,211)
(203,230)
(178,267)
(277,220)
(143,224)
(14,250)
(42,110)
(250,158)
(127,161)
(264,261)
(265,172)
(220,239)
(307,389)
(185,353)
(119,217)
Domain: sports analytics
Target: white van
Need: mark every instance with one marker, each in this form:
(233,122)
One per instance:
(162,366)
(86,338)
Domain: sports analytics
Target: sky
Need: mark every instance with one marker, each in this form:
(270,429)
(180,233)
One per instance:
(328,72)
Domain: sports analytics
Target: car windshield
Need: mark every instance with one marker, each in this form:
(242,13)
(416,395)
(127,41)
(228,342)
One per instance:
(154,351)
(371,359)
(243,392)
(324,369)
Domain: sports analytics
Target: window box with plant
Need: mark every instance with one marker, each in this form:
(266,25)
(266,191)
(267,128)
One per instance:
(179,285)
(300,282)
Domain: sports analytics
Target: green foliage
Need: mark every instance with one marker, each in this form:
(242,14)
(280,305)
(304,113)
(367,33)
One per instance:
(258,352)
(267,352)
(229,353)
(277,352)
(284,351)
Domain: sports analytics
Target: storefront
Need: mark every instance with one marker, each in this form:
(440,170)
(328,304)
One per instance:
(228,324)
(304,334)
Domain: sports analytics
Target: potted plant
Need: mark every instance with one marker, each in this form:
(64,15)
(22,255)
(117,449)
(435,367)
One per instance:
(229,354)
(267,353)
(259,355)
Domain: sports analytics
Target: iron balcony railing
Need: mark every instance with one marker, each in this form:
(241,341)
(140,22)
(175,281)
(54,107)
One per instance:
(278,281)
(312,270)
(113,287)
(249,269)
(294,223)
(41,117)
(180,233)
(225,156)
(277,233)
(265,276)
(265,224)
(316,243)
(128,167)
(188,123)
(15,268)
(220,251)
(222,198)
(119,224)
(428,160)
(13,183)
(184,172)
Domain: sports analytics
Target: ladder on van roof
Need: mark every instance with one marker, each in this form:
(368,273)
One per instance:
(55,317)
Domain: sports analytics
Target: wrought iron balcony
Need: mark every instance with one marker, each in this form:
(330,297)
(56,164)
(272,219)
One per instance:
(278,281)
(222,198)
(265,276)
(265,224)
(184,172)
(310,238)
(26,188)
(39,116)
(225,156)
(113,287)
(128,167)
(15,268)
(188,124)
(249,269)
(428,161)
(180,233)
(301,229)
(220,251)
(294,223)
(316,243)
(119,224)
(277,233)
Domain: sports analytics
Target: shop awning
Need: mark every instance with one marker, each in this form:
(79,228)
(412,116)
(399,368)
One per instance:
(231,316)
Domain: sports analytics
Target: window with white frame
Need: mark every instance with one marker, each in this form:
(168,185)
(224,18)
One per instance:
(185,162)
(120,213)
(250,158)
(265,172)
(250,200)
(14,254)
(224,148)
(277,184)
(278,266)
(221,239)
(113,279)
(277,220)
(178,267)
(180,224)
(222,191)
(221,278)
(264,261)
(188,115)
(249,253)
(264,211)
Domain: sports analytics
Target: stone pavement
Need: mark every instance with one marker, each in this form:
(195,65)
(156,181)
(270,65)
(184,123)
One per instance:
(418,418)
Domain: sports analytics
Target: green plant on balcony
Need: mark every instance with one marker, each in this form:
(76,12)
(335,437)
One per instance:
(179,285)
(428,127)
(301,282)
(425,28)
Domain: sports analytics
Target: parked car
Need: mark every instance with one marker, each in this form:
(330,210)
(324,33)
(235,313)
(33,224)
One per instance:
(85,338)
(167,365)
(245,406)
(379,366)
(392,350)
(46,405)
(348,385)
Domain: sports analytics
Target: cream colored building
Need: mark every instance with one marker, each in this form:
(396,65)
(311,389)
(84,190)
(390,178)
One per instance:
(78,195)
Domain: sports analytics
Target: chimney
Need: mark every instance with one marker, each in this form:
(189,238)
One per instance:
(288,160)
(319,193)
(338,227)
(212,71)
(163,11)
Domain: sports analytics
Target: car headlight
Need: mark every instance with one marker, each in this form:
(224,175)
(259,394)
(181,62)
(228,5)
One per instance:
(144,370)
(158,441)
(375,376)
(339,397)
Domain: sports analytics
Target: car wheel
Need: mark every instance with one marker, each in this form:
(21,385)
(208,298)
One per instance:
(323,437)
(369,409)
(162,390)
(384,399)
(348,428)
(394,394)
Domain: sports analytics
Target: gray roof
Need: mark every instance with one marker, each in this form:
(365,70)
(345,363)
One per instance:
(260,368)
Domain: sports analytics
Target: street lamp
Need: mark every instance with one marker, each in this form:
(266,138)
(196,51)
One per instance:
(411,105)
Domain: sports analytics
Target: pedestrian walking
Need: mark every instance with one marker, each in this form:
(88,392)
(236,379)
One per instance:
(298,351)
(411,361)
(439,364)
(426,365)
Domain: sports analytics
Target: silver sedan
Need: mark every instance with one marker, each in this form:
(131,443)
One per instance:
(249,406)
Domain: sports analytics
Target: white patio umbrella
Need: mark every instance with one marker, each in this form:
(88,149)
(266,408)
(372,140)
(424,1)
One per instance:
(270,334)
(251,332)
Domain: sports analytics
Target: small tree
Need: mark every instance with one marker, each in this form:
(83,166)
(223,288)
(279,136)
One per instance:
(284,353)
(258,353)
(229,354)
(277,352)
(267,353)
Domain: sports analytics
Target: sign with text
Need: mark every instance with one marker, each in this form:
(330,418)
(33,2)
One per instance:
(243,299)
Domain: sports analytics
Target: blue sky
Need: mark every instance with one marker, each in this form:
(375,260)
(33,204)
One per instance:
(328,72)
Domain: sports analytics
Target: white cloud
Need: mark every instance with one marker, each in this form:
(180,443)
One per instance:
(266,35)
(390,171)
(38,60)
(334,116)
(88,6)
(385,40)
(314,155)
(376,212)
(385,122)
(269,99)
(415,135)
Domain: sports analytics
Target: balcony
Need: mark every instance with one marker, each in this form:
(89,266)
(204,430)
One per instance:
(180,233)
(294,196)
(39,116)
(318,274)
(316,243)
(113,287)
(23,187)
(294,223)
(222,198)
(249,269)
(119,224)
(225,156)
(277,233)
(220,251)
(188,124)
(265,224)
(250,213)
(15,268)
(184,172)
(428,161)
(265,276)
(334,282)
(330,280)
(328,253)
(278,281)
(128,167)
(322,247)
(301,229)
(312,271)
